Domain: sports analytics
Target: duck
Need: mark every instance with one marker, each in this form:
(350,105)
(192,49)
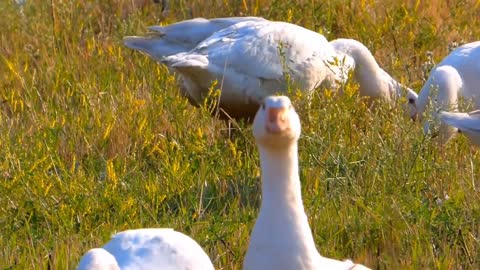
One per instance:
(147,249)
(454,78)
(281,237)
(466,123)
(251,58)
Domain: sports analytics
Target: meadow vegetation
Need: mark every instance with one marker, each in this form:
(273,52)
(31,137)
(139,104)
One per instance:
(95,138)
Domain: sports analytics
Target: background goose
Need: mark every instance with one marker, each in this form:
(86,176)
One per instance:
(466,123)
(250,57)
(282,238)
(147,249)
(455,77)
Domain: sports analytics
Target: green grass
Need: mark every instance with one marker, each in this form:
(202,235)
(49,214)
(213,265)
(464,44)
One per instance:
(95,138)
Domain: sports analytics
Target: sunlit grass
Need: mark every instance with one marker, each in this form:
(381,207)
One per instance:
(95,138)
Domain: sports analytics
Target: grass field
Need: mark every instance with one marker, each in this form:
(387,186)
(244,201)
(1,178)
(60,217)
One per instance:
(95,138)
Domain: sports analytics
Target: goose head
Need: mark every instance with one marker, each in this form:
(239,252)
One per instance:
(276,123)
(411,105)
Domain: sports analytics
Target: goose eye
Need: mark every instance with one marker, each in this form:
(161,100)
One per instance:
(411,101)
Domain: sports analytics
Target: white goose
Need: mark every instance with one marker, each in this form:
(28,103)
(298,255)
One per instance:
(282,238)
(250,59)
(466,123)
(147,249)
(456,76)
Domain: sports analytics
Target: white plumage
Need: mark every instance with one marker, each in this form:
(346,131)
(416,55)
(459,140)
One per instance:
(282,238)
(252,58)
(466,123)
(456,77)
(147,249)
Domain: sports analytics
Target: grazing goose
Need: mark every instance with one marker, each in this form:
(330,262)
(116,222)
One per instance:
(282,238)
(147,249)
(455,77)
(250,58)
(466,123)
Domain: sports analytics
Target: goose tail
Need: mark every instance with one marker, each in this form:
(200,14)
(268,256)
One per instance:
(153,45)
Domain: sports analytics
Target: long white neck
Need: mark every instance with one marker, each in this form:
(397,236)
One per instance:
(280,178)
(282,238)
(373,80)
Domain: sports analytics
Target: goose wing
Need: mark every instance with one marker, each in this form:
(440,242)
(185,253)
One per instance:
(180,37)
(463,121)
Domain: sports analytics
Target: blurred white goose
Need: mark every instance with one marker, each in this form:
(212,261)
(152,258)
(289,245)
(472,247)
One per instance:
(250,59)
(147,249)
(457,76)
(282,238)
(466,123)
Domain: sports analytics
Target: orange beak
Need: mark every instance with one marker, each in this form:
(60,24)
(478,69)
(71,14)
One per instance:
(277,120)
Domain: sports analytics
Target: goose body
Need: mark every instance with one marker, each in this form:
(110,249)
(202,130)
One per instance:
(466,123)
(282,238)
(147,249)
(455,77)
(250,60)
